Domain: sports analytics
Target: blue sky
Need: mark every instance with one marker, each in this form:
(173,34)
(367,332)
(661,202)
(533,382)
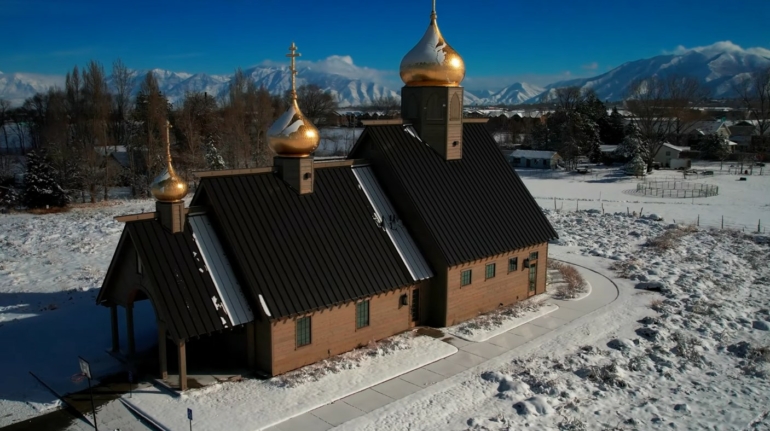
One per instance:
(533,41)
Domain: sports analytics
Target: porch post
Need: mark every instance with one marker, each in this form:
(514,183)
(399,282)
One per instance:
(182,366)
(115,331)
(250,345)
(130,329)
(162,350)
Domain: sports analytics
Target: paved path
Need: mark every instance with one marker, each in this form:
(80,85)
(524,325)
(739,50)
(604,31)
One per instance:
(470,354)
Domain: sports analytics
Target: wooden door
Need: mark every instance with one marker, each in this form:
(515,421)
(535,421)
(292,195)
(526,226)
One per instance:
(532,279)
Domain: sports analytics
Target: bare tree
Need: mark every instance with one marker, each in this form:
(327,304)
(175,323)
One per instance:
(315,103)
(662,110)
(151,111)
(389,105)
(754,94)
(96,139)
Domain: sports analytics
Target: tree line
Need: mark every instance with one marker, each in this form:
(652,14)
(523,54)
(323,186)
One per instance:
(662,110)
(74,131)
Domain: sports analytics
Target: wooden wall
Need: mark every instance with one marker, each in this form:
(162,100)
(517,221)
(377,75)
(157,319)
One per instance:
(333,331)
(482,295)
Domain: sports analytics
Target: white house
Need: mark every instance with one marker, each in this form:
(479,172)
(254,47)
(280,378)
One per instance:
(669,156)
(534,159)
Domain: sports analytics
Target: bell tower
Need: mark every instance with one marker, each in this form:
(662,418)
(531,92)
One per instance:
(432,98)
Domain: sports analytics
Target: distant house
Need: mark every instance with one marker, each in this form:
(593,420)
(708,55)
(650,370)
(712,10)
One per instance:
(745,135)
(534,159)
(670,156)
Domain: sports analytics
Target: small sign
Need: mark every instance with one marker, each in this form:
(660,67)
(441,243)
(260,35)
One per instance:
(85,368)
(189,414)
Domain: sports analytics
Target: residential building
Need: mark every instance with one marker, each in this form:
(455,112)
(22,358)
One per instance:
(534,159)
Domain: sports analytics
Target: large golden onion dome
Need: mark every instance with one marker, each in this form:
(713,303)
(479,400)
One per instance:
(293,135)
(168,186)
(432,62)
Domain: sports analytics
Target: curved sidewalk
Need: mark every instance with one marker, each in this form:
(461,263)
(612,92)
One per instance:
(469,355)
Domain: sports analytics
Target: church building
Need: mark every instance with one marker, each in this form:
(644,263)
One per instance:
(424,224)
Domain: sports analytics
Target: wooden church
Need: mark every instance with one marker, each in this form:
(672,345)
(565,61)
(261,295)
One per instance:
(424,223)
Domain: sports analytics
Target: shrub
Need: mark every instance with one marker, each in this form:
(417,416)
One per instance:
(668,239)
(574,283)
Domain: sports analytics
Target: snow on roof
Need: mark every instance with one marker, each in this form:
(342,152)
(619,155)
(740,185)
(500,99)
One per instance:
(608,148)
(533,154)
(674,147)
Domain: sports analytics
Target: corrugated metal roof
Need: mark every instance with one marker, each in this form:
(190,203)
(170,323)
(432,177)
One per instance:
(303,252)
(473,208)
(182,290)
(233,302)
(392,224)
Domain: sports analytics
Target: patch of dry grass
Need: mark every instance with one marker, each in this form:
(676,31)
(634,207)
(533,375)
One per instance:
(668,239)
(574,283)
(51,210)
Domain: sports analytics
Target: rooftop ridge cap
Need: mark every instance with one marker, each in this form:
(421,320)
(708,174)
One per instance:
(232,172)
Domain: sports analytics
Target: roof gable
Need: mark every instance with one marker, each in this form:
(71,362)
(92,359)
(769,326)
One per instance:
(474,207)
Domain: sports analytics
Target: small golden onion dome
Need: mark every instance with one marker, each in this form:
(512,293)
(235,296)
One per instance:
(293,135)
(432,62)
(168,186)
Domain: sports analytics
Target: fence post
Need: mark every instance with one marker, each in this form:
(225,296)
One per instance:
(641,212)
(698,219)
(554,204)
(723,222)
(759,226)
(628,212)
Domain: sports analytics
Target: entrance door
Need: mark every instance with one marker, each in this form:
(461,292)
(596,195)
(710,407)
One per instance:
(532,279)
(527,162)
(415,307)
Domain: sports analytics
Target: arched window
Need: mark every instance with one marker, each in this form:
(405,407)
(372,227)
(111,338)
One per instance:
(455,108)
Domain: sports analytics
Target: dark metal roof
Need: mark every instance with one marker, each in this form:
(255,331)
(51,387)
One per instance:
(474,207)
(303,252)
(182,289)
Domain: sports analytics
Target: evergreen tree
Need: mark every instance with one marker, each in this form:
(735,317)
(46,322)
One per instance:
(632,144)
(213,159)
(613,130)
(40,186)
(637,166)
(713,147)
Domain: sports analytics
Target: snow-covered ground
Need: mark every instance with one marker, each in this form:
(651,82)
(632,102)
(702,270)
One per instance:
(486,326)
(688,357)
(693,356)
(742,204)
(256,404)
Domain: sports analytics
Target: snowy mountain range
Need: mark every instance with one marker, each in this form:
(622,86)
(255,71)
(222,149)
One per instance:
(717,66)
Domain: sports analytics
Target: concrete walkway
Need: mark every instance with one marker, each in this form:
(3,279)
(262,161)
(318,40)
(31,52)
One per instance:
(470,354)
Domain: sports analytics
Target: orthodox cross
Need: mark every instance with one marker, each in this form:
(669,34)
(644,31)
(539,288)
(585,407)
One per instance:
(293,54)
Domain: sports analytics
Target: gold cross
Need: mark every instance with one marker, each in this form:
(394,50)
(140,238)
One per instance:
(293,55)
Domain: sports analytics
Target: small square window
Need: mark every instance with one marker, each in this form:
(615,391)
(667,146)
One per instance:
(490,271)
(303,331)
(465,277)
(533,255)
(362,314)
(513,264)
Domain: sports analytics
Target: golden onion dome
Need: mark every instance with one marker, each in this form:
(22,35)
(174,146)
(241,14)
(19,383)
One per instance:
(432,62)
(168,186)
(292,134)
